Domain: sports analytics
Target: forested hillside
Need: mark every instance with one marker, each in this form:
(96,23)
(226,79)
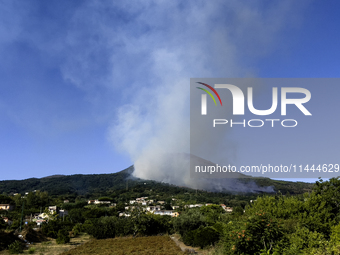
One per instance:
(99,184)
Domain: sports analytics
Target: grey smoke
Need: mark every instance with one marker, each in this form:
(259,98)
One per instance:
(198,39)
(173,168)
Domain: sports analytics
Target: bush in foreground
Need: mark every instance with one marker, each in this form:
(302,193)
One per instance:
(15,248)
(63,236)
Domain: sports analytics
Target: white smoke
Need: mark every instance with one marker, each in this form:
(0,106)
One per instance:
(154,51)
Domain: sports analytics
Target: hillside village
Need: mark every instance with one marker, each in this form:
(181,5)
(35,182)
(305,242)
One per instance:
(142,203)
(49,215)
(238,223)
(142,208)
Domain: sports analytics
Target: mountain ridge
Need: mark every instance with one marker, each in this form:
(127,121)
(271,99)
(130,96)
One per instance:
(85,184)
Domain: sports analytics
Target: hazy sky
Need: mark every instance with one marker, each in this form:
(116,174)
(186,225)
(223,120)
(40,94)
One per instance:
(86,86)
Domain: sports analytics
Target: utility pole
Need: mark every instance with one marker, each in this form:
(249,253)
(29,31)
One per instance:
(127,184)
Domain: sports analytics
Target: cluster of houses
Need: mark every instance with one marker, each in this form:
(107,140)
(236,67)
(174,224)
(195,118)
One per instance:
(160,212)
(144,201)
(147,205)
(158,209)
(97,202)
(38,218)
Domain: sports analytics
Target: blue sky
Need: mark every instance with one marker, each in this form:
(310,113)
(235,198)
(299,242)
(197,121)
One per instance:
(89,86)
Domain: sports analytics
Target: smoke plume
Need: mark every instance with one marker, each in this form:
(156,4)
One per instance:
(179,42)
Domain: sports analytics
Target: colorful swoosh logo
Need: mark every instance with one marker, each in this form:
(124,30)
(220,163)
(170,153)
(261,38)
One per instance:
(208,92)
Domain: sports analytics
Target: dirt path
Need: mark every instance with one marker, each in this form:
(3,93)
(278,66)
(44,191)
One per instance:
(184,247)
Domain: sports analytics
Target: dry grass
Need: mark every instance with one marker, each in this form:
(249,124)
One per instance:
(50,247)
(155,245)
(84,244)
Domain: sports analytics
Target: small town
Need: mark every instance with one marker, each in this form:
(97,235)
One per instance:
(30,219)
(177,220)
(142,203)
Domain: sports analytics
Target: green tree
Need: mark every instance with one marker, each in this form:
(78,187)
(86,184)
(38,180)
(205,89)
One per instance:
(260,232)
(63,236)
(322,206)
(304,241)
(202,237)
(76,215)
(190,220)
(6,199)
(212,213)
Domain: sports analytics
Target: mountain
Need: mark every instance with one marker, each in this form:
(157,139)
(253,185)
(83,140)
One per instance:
(188,170)
(105,183)
(54,176)
(69,184)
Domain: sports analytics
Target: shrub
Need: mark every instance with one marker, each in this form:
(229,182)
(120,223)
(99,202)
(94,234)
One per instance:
(31,250)
(188,221)
(103,228)
(202,237)
(205,236)
(305,240)
(335,236)
(138,224)
(15,248)
(51,228)
(124,226)
(149,224)
(77,229)
(63,236)
(259,233)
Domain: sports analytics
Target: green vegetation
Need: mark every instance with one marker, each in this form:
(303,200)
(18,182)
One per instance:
(95,184)
(15,248)
(291,222)
(63,236)
(106,185)
(306,224)
(31,250)
(6,238)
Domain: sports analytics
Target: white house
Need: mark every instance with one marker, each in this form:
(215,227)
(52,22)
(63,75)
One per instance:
(53,209)
(153,208)
(227,209)
(8,207)
(124,214)
(167,212)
